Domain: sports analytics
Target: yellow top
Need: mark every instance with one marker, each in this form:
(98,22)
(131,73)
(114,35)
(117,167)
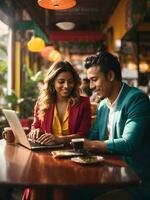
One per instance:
(58,128)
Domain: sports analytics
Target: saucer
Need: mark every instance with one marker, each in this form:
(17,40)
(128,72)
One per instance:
(87,159)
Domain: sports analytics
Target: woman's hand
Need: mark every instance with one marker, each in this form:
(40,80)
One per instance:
(35,134)
(47,139)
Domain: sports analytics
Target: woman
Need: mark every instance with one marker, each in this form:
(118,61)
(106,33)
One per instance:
(60,113)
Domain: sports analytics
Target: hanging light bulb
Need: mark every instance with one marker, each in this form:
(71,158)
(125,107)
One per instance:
(57,4)
(144,67)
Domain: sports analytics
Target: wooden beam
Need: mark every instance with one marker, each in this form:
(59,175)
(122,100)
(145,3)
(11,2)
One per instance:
(76,36)
(145,27)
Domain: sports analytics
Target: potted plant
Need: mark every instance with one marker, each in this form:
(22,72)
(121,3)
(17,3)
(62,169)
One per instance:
(6,100)
(29,95)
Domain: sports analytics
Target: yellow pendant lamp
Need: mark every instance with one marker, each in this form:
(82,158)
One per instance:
(36,44)
(57,4)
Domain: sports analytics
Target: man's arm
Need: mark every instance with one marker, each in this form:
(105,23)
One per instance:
(95,145)
(135,132)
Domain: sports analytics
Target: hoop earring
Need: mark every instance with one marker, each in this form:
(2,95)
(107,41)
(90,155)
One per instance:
(52,90)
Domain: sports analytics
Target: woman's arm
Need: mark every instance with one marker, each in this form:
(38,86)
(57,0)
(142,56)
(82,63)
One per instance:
(83,121)
(36,122)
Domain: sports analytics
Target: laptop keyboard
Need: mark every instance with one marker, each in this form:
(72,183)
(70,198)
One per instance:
(34,144)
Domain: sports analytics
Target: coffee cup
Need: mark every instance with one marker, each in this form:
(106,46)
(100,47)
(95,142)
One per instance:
(77,144)
(8,135)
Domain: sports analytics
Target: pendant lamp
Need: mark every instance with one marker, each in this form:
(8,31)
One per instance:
(46,51)
(57,4)
(65,25)
(54,56)
(36,44)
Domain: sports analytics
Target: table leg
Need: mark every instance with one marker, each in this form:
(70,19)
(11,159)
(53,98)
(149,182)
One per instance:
(60,194)
(38,194)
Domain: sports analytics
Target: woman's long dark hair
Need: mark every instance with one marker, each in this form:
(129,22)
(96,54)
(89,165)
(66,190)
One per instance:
(48,94)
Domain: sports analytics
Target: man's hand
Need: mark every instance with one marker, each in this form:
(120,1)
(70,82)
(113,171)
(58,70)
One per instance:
(95,145)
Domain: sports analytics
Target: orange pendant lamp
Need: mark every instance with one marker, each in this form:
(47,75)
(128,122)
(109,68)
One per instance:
(46,51)
(57,4)
(54,56)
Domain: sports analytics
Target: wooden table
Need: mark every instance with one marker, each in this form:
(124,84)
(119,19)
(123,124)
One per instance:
(22,167)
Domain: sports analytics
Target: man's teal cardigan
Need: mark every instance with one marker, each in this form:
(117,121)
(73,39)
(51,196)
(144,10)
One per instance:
(131,133)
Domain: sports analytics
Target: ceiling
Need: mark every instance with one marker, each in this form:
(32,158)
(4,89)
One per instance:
(88,15)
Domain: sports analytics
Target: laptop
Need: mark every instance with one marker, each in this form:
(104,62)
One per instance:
(20,135)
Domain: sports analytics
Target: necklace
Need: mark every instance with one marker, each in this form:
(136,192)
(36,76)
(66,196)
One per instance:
(61,110)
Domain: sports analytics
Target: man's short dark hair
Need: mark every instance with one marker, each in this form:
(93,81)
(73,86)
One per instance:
(106,62)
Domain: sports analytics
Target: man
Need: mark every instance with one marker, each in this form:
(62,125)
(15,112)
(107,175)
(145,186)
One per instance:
(85,87)
(123,121)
